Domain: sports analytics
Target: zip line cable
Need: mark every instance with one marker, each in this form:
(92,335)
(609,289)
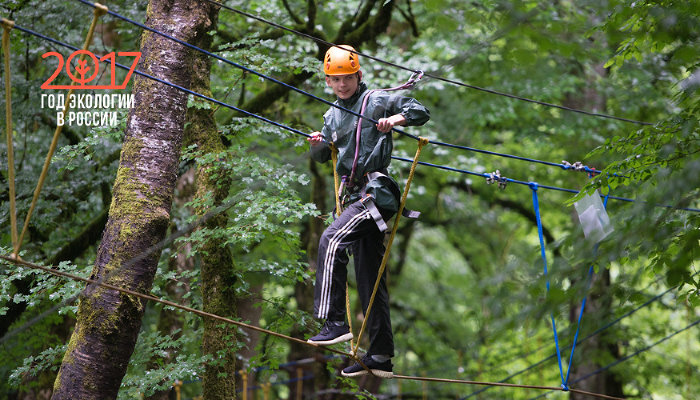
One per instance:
(272,333)
(504,179)
(433,76)
(625,358)
(275,123)
(254,115)
(517,357)
(298,132)
(564,165)
(594,333)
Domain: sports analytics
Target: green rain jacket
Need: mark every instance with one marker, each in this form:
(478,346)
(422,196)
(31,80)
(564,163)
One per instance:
(375,147)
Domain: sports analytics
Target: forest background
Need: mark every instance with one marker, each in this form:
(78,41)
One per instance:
(468,295)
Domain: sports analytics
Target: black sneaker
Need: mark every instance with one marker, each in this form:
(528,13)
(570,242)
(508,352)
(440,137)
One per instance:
(332,334)
(382,370)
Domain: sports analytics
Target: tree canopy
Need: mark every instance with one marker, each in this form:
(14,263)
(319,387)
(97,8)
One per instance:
(610,84)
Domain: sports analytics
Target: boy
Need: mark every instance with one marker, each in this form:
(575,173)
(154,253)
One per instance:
(370,198)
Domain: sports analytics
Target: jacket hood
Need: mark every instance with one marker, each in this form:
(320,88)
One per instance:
(349,102)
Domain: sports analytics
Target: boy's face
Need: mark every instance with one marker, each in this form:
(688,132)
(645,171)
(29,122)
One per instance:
(344,86)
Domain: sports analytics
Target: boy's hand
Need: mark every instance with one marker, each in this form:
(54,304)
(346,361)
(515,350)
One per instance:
(384,125)
(315,138)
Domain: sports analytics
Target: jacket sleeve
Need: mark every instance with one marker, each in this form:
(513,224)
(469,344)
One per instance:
(322,152)
(415,113)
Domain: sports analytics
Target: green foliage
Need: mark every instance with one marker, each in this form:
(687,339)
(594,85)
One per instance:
(467,293)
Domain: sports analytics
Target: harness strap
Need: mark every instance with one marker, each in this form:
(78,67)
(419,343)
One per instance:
(368,202)
(406,212)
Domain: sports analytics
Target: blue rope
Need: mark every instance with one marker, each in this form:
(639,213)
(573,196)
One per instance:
(298,132)
(583,304)
(594,333)
(623,359)
(261,75)
(535,203)
(440,78)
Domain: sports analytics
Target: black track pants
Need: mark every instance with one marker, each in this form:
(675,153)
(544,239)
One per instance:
(354,230)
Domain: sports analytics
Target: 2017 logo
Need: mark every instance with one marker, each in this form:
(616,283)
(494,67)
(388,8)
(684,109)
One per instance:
(85,72)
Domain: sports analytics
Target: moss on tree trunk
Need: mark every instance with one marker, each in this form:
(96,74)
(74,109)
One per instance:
(217,267)
(108,321)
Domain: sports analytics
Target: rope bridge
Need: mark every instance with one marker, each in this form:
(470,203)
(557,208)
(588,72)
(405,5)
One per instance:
(101,10)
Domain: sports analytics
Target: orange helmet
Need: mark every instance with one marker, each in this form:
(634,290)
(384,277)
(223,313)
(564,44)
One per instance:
(340,61)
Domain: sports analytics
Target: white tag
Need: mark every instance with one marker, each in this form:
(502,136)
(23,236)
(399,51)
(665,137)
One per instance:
(593,217)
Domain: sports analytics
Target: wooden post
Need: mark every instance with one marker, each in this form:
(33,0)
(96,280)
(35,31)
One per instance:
(300,383)
(266,391)
(244,379)
(178,384)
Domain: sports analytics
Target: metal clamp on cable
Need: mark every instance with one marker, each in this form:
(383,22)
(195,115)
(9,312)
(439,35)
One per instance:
(577,166)
(415,77)
(495,177)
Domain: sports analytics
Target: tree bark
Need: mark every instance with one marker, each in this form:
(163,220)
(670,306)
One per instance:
(171,322)
(217,264)
(108,321)
(598,307)
(599,303)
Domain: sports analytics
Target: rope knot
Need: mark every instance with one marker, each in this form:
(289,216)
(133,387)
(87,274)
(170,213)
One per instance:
(100,9)
(564,387)
(7,24)
(534,185)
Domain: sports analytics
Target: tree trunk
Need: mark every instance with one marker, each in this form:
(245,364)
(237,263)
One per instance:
(598,307)
(171,322)
(218,278)
(108,321)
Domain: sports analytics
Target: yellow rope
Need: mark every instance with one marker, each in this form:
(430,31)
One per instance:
(7,27)
(336,180)
(421,142)
(348,310)
(99,11)
(258,329)
(244,378)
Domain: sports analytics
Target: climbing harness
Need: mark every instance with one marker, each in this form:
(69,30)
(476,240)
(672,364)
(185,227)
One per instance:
(347,185)
(351,185)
